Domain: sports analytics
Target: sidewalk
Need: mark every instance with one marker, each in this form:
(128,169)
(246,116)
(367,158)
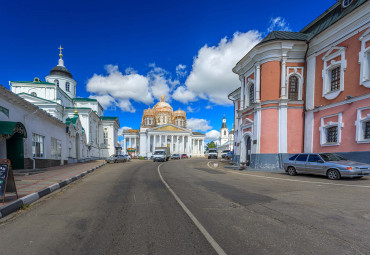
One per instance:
(50,179)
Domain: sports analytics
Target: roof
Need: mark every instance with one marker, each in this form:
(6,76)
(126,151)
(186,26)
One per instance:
(197,133)
(325,20)
(84,99)
(34,82)
(61,71)
(108,118)
(284,35)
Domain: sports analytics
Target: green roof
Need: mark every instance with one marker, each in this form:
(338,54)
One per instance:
(108,118)
(34,82)
(325,20)
(84,99)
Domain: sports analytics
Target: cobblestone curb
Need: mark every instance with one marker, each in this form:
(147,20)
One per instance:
(17,204)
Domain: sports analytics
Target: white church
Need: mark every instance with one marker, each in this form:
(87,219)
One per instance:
(90,135)
(226,140)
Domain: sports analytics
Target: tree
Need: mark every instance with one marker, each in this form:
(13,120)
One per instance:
(210,145)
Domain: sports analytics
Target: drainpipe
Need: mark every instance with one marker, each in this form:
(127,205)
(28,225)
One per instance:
(24,120)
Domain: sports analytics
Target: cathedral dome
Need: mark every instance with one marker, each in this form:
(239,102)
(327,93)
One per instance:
(60,71)
(179,113)
(149,112)
(162,106)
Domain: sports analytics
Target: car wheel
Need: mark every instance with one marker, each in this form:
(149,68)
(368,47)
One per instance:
(333,174)
(292,171)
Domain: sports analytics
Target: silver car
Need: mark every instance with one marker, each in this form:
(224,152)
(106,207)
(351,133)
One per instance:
(331,165)
(116,159)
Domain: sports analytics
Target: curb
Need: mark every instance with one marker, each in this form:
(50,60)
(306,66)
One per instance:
(30,198)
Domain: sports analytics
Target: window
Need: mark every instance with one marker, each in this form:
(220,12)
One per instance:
(302,157)
(332,135)
(105,136)
(293,88)
(335,64)
(56,148)
(335,79)
(364,59)
(367,130)
(56,82)
(314,158)
(293,157)
(67,86)
(225,132)
(346,3)
(251,94)
(34,94)
(37,146)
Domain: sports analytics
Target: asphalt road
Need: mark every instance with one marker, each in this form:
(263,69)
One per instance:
(127,209)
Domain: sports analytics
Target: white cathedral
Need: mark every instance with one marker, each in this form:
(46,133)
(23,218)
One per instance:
(90,135)
(163,127)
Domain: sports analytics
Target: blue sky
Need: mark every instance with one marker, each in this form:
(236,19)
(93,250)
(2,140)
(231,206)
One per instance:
(128,53)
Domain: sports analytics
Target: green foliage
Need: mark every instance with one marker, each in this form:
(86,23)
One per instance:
(210,145)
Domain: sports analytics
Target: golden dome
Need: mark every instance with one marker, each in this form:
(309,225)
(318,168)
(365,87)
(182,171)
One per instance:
(149,112)
(179,113)
(162,106)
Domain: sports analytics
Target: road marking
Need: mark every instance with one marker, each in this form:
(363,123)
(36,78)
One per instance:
(290,180)
(205,233)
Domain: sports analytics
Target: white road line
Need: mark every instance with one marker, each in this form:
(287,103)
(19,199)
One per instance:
(291,180)
(209,238)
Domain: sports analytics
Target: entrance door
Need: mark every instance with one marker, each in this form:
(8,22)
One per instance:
(77,146)
(248,146)
(14,150)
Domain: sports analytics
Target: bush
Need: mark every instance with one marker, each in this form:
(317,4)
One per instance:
(141,158)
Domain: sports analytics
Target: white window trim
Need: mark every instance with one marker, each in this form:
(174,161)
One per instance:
(300,80)
(360,123)
(324,128)
(326,72)
(363,60)
(247,87)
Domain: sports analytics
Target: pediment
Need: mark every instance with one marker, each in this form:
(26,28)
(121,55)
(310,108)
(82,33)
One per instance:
(35,100)
(169,127)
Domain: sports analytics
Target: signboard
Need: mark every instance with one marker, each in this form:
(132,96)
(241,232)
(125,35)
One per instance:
(7,182)
(131,150)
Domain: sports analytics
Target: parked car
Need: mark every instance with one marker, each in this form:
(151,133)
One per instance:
(175,156)
(229,155)
(331,165)
(212,153)
(128,157)
(224,153)
(116,159)
(184,156)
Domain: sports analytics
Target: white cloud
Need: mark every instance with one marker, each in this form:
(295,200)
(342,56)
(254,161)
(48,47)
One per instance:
(211,77)
(278,24)
(212,135)
(116,89)
(191,109)
(183,95)
(198,124)
(181,71)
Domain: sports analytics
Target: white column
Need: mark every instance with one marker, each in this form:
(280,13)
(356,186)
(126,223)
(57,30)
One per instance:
(166,144)
(160,140)
(135,143)
(283,82)
(183,144)
(171,144)
(124,145)
(154,142)
(242,96)
(258,83)
(147,144)
(177,144)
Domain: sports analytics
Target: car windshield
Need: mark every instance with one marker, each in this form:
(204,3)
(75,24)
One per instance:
(331,157)
(212,151)
(158,152)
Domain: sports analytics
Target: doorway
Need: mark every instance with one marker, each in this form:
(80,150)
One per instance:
(248,150)
(14,151)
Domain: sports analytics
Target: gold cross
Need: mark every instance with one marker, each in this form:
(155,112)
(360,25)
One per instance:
(60,48)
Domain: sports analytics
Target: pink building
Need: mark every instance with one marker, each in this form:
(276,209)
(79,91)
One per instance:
(306,91)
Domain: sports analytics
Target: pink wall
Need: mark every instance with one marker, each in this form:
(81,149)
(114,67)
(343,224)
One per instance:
(348,140)
(269,131)
(295,130)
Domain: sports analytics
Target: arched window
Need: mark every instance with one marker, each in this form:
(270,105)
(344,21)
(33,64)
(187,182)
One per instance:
(251,94)
(224,132)
(67,86)
(56,82)
(34,94)
(293,88)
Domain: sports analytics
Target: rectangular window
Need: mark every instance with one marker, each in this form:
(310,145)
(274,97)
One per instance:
(367,130)
(106,137)
(332,135)
(56,148)
(38,146)
(335,79)
(67,86)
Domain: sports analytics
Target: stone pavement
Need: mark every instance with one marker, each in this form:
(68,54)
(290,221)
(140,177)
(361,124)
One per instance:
(28,184)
